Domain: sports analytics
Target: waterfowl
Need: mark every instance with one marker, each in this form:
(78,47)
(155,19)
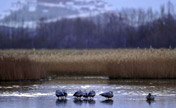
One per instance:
(65,93)
(150,97)
(91,94)
(85,94)
(107,94)
(61,94)
(78,94)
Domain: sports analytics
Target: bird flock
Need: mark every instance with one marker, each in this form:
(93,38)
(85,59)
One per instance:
(62,94)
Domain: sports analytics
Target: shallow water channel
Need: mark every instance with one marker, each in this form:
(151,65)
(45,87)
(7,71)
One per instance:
(127,93)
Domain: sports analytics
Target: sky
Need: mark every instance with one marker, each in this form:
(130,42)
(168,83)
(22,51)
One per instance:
(5,5)
(145,4)
(117,4)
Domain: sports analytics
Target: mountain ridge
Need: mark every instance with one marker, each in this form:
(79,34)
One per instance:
(30,11)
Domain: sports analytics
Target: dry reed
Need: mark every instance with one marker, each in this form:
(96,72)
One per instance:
(120,63)
(22,68)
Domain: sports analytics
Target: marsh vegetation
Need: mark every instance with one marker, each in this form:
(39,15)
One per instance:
(120,63)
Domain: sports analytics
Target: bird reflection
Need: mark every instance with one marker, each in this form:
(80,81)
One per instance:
(84,101)
(149,101)
(78,101)
(108,102)
(89,101)
(61,102)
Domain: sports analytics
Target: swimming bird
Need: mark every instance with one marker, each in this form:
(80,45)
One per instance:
(91,94)
(150,97)
(78,94)
(107,94)
(61,93)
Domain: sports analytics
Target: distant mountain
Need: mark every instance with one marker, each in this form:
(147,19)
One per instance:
(28,12)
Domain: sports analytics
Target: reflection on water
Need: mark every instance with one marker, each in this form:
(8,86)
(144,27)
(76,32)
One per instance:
(78,101)
(60,102)
(91,102)
(127,93)
(108,102)
(84,101)
(150,101)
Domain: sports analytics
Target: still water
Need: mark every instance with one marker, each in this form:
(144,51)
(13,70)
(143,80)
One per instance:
(127,93)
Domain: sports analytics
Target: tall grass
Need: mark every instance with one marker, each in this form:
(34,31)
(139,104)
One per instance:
(13,68)
(120,63)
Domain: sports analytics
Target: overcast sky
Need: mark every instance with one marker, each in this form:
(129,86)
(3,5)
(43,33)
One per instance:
(5,4)
(145,4)
(117,4)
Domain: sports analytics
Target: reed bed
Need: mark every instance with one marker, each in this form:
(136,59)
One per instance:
(22,68)
(119,63)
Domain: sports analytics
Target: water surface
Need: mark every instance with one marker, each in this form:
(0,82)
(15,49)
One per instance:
(127,93)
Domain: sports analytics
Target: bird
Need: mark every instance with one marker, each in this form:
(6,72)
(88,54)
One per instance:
(91,94)
(65,93)
(61,93)
(150,97)
(85,94)
(78,94)
(107,94)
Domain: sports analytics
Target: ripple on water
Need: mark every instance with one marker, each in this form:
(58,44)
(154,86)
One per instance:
(10,87)
(18,94)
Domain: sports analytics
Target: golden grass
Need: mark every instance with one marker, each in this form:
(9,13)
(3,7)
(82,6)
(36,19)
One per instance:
(22,68)
(120,63)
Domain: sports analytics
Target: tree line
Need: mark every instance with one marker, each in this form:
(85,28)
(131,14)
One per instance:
(128,28)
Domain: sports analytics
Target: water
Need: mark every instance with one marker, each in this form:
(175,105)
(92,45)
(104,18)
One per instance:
(127,93)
